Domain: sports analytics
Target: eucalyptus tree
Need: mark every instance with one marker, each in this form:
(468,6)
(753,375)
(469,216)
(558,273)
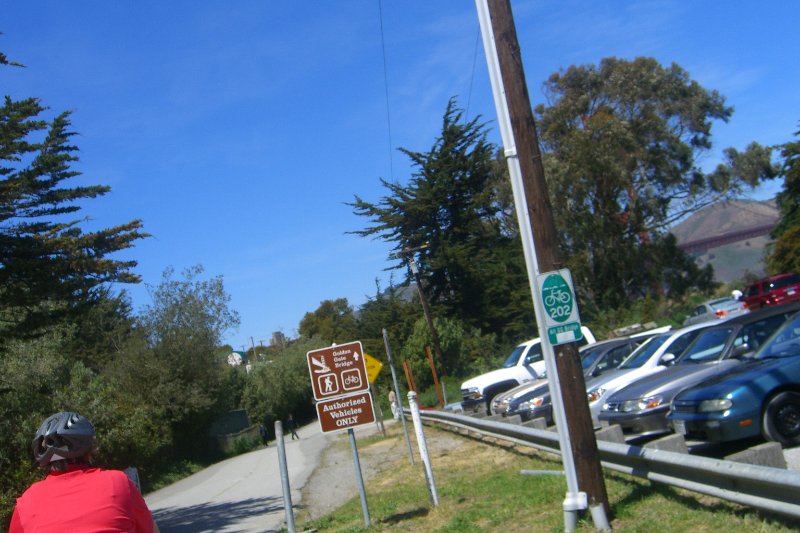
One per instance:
(784,253)
(622,143)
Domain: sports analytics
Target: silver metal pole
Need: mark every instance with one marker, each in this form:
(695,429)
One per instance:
(397,394)
(287,491)
(359,478)
(377,412)
(573,500)
(423,447)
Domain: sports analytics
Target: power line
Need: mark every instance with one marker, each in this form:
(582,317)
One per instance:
(472,75)
(386,91)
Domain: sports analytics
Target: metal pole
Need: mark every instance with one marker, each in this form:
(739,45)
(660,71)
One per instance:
(397,394)
(287,491)
(573,501)
(423,447)
(359,478)
(377,412)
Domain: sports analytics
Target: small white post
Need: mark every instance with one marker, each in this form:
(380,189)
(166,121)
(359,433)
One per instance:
(423,447)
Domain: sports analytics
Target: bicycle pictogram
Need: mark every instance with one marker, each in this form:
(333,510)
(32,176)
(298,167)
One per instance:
(351,379)
(557,296)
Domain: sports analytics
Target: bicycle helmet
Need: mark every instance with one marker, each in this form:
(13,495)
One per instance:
(63,436)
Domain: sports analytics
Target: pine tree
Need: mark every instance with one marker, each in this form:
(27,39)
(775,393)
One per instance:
(471,262)
(48,265)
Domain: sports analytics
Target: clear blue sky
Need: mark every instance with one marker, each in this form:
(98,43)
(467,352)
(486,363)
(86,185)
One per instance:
(238,130)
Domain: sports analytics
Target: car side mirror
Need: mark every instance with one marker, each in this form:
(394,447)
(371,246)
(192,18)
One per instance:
(667,359)
(740,350)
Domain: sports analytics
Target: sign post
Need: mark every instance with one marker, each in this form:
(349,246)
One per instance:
(340,383)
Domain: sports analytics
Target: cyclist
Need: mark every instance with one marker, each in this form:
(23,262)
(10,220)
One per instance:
(76,496)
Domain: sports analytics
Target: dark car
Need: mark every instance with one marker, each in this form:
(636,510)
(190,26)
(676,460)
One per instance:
(641,407)
(774,290)
(595,358)
(761,397)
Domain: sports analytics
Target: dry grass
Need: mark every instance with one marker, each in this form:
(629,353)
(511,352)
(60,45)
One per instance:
(480,488)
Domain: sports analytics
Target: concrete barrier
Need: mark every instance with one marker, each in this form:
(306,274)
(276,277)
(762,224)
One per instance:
(670,443)
(767,454)
(513,419)
(536,423)
(610,434)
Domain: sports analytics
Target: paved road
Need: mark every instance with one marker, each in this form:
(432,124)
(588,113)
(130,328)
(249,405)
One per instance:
(241,494)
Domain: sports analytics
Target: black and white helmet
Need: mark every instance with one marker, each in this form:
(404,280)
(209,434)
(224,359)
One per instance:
(63,436)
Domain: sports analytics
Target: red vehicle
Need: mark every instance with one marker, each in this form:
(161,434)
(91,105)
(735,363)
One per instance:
(774,290)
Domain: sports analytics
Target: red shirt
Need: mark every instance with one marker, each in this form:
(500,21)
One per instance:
(82,499)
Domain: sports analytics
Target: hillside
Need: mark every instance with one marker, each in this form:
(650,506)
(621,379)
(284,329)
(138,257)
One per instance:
(730,261)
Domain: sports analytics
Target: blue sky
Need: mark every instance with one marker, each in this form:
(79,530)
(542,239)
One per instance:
(238,130)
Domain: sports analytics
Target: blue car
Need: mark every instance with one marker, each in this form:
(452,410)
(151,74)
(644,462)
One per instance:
(762,396)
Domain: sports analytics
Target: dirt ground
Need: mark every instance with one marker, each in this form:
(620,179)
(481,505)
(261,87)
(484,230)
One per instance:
(334,481)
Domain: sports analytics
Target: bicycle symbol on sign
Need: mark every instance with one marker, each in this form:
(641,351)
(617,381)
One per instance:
(557,296)
(351,379)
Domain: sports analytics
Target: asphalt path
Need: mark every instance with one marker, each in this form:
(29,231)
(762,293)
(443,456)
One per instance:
(241,494)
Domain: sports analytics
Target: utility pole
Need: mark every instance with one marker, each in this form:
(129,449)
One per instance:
(408,253)
(578,422)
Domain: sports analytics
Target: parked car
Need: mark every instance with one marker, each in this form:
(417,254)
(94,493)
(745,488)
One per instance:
(595,358)
(715,310)
(641,407)
(525,363)
(761,397)
(650,358)
(774,290)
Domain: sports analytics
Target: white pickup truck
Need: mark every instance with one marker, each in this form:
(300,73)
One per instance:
(525,363)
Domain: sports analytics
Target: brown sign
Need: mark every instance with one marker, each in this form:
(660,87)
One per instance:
(345,412)
(337,370)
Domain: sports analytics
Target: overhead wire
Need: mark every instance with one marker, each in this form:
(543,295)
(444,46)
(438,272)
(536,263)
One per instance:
(386,92)
(472,75)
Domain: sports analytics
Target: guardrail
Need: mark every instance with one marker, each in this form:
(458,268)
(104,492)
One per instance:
(770,489)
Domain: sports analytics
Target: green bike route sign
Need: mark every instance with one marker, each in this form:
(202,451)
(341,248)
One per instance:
(561,310)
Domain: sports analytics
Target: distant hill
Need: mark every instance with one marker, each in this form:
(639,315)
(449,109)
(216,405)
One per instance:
(731,236)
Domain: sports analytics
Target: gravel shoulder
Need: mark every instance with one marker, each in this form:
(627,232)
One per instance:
(333,482)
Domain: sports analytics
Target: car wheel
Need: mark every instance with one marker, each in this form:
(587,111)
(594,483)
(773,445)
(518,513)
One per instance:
(781,421)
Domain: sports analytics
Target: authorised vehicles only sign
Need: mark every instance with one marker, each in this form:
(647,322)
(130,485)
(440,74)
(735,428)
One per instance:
(340,383)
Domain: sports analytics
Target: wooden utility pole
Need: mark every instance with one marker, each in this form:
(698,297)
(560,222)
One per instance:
(408,253)
(582,440)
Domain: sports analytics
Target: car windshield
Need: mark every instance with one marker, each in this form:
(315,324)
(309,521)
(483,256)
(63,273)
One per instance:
(534,355)
(644,352)
(590,356)
(514,357)
(708,346)
(784,281)
(785,342)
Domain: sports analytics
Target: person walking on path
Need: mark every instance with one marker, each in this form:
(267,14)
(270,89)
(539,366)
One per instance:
(264,435)
(291,425)
(393,404)
(75,495)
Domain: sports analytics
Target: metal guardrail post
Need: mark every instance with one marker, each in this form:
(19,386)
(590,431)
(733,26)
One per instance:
(287,491)
(769,489)
(423,447)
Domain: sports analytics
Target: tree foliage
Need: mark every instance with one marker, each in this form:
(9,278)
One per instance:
(281,386)
(49,266)
(183,327)
(333,321)
(784,254)
(622,141)
(451,212)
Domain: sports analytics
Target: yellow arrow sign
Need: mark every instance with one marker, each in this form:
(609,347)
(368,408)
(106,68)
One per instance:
(373,367)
